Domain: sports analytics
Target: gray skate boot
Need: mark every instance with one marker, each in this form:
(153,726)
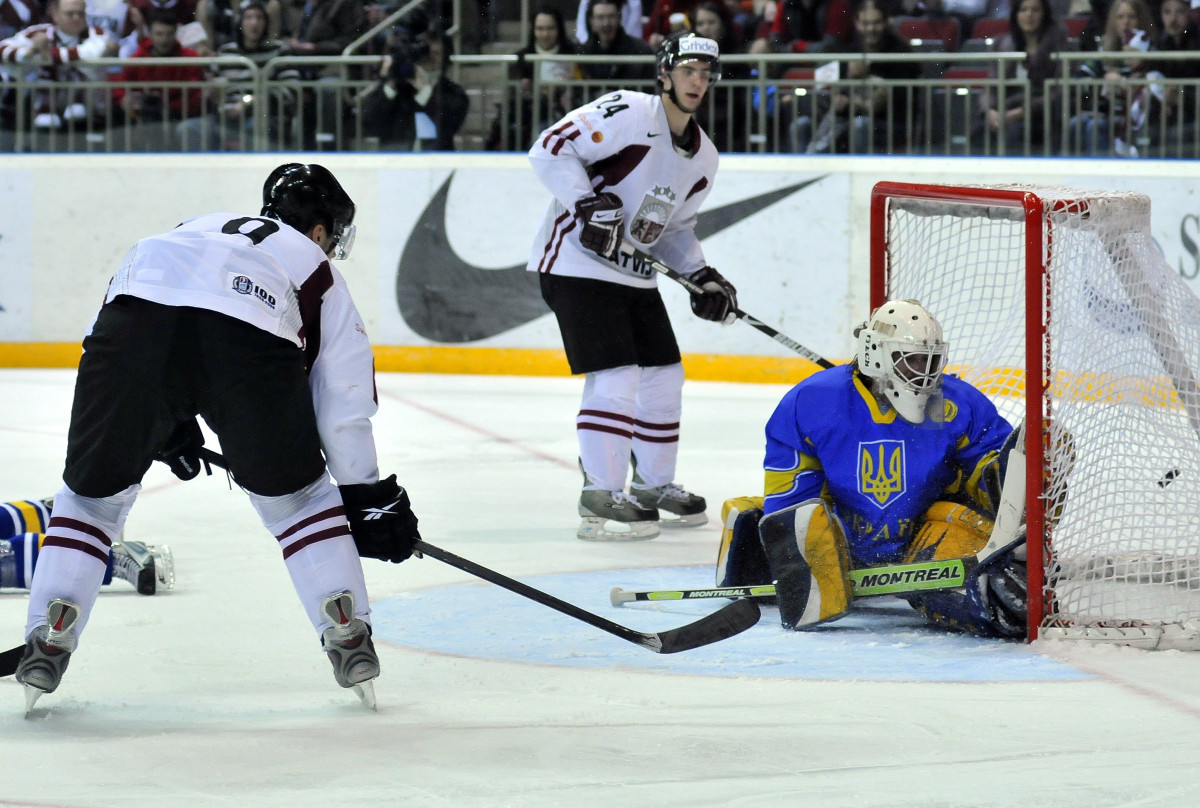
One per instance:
(349,647)
(685,509)
(146,566)
(47,651)
(613,515)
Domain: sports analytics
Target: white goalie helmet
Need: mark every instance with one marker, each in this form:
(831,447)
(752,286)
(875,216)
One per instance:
(901,350)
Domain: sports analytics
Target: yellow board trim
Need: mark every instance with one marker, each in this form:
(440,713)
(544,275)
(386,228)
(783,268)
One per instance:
(496,361)
(1153,392)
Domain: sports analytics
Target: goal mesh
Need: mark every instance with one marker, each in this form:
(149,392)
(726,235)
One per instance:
(1057,304)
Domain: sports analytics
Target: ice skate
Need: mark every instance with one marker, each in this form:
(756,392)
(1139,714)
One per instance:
(47,652)
(615,516)
(147,566)
(680,508)
(349,647)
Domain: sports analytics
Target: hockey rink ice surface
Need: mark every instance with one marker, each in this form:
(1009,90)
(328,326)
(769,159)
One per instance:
(217,693)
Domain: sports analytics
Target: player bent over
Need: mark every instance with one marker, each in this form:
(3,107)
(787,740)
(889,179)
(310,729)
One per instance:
(243,320)
(886,460)
(23,529)
(630,166)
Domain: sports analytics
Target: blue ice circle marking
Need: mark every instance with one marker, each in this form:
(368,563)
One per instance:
(882,640)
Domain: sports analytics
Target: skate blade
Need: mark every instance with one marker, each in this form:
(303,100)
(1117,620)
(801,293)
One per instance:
(366,693)
(596,528)
(690,520)
(32,694)
(164,567)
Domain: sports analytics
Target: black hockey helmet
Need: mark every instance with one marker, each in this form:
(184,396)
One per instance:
(684,46)
(304,196)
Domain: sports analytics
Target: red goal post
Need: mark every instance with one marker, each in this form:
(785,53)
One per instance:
(1058,305)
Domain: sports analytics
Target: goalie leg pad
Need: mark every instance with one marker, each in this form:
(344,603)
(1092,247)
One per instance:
(950,531)
(740,559)
(805,547)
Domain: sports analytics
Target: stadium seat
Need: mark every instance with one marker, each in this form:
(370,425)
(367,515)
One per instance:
(1074,26)
(940,29)
(990,28)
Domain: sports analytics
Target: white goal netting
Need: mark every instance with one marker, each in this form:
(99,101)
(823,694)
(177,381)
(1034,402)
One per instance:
(1116,339)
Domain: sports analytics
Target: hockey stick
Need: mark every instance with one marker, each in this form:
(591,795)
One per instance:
(10,659)
(721,624)
(636,256)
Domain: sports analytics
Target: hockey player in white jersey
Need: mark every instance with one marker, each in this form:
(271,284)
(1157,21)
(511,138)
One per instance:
(630,166)
(243,320)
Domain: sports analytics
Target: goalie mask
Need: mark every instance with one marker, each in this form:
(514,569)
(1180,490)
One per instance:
(304,196)
(902,352)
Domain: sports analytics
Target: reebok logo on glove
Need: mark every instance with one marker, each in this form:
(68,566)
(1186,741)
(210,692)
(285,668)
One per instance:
(379,513)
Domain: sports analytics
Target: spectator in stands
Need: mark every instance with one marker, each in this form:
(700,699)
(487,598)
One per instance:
(723,114)
(221,20)
(50,52)
(327,27)
(415,106)
(1034,31)
(153,102)
(232,125)
(873,116)
(630,19)
(1171,122)
(607,38)
(548,37)
(1103,117)
(324,29)
(806,26)
(189,32)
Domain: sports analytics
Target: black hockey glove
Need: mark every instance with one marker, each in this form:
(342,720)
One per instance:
(603,218)
(718,302)
(182,452)
(381,520)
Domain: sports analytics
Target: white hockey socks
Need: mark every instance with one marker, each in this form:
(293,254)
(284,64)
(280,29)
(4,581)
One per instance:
(656,424)
(75,552)
(314,536)
(605,426)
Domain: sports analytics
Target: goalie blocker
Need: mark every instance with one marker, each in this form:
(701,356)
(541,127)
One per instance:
(802,549)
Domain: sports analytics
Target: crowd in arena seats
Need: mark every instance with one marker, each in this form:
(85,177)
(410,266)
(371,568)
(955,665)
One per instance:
(1135,95)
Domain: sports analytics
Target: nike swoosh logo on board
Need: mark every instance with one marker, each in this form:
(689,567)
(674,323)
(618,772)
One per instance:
(653,134)
(445,299)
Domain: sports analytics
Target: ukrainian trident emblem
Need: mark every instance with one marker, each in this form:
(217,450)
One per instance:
(881,469)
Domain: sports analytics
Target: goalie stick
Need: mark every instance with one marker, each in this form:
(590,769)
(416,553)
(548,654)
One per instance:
(637,256)
(896,579)
(868,582)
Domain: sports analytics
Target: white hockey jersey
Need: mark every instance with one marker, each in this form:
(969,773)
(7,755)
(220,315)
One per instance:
(270,275)
(66,50)
(621,143)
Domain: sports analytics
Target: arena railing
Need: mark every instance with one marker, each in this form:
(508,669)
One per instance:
(316,103)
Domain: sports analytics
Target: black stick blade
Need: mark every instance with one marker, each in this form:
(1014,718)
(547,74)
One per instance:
(10,659)
(720,625)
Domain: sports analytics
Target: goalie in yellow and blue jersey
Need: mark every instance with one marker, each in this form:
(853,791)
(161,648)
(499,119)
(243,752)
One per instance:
(886,460)
(23,525)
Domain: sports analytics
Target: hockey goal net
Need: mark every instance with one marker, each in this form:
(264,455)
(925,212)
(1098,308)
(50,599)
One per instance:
(1058,305)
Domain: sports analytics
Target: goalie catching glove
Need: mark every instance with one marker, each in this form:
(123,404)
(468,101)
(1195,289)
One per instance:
(717,300)
(381,519)
(603,222)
